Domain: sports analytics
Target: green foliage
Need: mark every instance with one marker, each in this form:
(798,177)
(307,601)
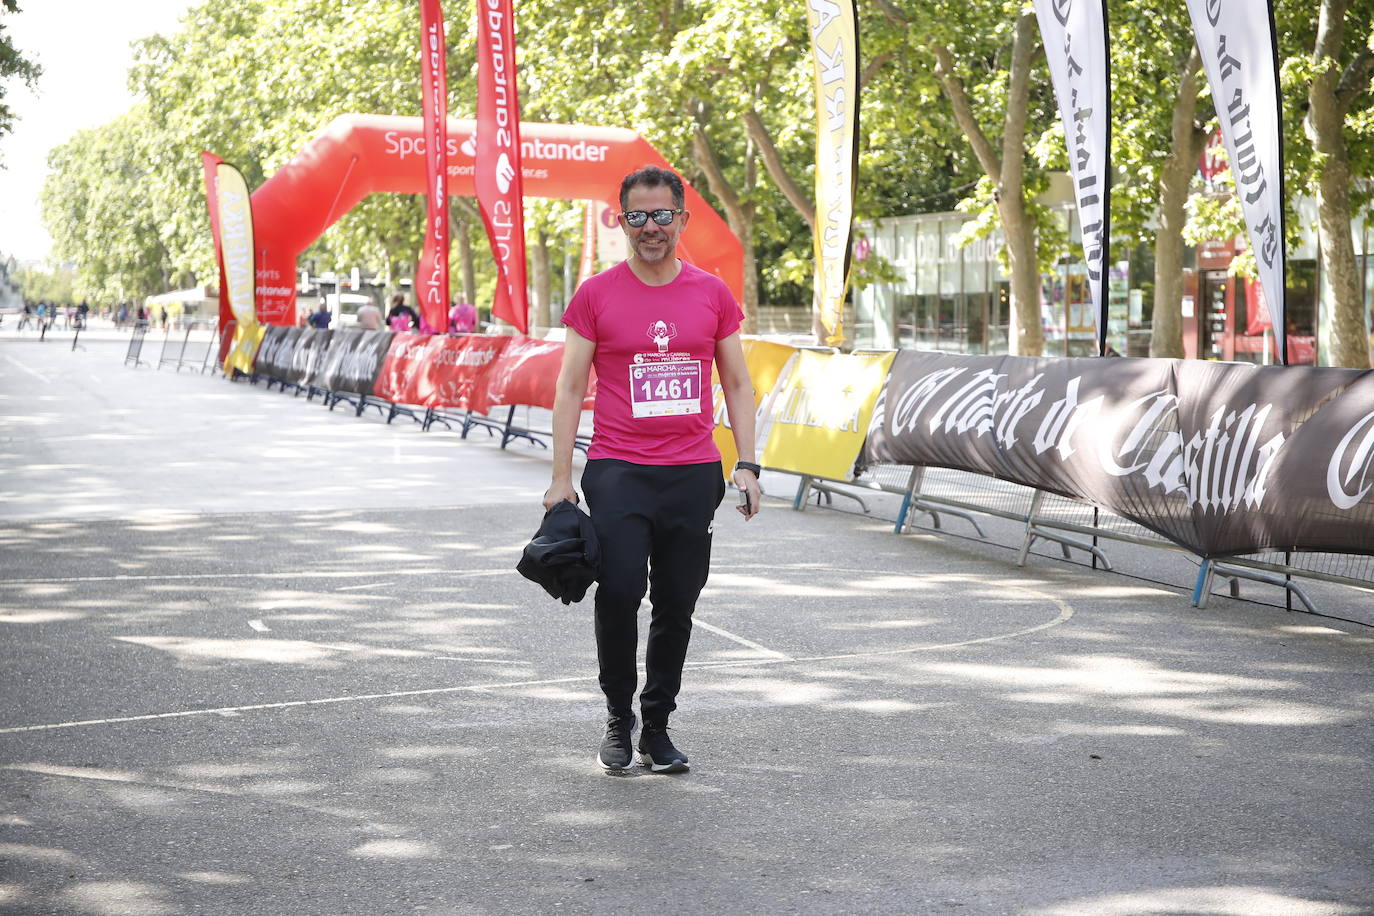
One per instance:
(12,65)
(1153,41)
(255,80)
(52,285)
(96,209)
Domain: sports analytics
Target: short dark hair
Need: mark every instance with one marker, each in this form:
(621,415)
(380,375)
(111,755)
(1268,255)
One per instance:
(651,176)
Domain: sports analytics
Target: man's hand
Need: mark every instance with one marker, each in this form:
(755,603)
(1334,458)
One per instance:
(558,491)
(748,483)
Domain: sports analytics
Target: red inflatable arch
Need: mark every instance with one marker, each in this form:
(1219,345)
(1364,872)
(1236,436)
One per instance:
(358,155)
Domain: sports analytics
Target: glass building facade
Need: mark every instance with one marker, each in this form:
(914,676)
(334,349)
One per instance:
(955,298)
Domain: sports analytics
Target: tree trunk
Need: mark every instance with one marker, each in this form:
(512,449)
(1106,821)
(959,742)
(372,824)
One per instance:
(1006,169)
(1328,99)
(466,217)
(739,216)
(1166,335)
(796,196)
(541,281)
(1027,337)
(466,268)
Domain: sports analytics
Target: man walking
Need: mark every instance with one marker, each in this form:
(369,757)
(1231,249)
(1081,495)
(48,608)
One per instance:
(651,326)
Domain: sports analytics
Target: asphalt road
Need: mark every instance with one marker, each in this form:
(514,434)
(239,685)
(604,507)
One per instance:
(261,658)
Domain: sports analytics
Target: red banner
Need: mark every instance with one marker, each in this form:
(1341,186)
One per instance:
(431,275)
(208,163)
(527,374)
(499,173)
(440,371)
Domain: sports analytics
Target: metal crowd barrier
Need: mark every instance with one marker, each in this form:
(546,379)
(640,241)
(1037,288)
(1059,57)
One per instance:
(1279,568)
(1051,516)
(184,351)
(464,421)
(1076,525)
(940,492)
(963,495)
(509,431)
(134,354)
(214,356)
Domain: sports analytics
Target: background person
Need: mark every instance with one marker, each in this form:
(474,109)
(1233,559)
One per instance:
(462,318)
(400,309)
(370,317)
(653,476)
(321,317)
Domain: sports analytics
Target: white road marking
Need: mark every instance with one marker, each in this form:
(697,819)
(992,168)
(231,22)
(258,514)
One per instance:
(1065,613)
(771,653)
(259,626)
(349,588)
(291,574)
(40,376)
(483,661)
(289,704)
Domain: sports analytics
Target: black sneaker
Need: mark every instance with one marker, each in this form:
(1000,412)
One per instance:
(616,746)
(656,751)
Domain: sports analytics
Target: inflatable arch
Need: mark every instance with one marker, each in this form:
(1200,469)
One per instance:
(358,155)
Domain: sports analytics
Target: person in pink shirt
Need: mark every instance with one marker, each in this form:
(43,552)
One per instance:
(462,318)
(651,326)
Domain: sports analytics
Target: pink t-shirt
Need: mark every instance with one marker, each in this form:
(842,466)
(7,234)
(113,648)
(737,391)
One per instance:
(654,350)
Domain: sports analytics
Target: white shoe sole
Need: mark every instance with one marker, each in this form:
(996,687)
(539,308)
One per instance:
(611,768)
(676,766)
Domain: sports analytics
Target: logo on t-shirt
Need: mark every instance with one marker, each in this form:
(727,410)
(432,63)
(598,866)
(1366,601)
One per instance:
(662,334)
(664,384)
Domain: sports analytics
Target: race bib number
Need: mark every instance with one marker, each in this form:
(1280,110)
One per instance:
(667,389)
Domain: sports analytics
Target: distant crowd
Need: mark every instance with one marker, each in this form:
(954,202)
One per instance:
(463,317)
(42,314)
(401,317)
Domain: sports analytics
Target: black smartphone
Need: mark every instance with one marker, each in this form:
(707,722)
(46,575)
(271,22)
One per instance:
(744,500)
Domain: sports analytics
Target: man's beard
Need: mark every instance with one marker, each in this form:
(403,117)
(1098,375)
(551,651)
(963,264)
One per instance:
(654,254)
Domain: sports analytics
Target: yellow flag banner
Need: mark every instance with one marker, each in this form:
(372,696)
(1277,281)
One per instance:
(821,416)
(835,62)
(235,215)
(766,361)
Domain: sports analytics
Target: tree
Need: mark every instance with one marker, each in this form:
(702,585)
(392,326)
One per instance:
(94,207)
(12,64)
(983,56)
(312,61)
(42,284)
(727,77)
(1326,65)
(1341,64)
(1156,84)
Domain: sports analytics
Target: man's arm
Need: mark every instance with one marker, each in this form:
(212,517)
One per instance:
(567,414)
(738,389)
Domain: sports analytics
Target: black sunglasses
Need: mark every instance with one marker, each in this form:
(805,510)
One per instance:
(637,218)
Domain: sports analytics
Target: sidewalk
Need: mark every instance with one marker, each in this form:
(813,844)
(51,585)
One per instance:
(262,658)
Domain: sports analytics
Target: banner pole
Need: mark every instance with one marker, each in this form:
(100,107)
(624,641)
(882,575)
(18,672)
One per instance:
(1280,334)
(1102,300)
(1079,58)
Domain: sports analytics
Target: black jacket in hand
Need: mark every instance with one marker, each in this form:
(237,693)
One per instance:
(564,556)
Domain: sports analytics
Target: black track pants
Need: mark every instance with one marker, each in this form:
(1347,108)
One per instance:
(654,525)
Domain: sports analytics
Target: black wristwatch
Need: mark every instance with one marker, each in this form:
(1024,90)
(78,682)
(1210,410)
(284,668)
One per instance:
(750,467)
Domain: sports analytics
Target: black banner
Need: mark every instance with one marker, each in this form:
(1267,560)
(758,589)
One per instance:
(312,347)
(1222,458)
(274,353)
(351,363)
